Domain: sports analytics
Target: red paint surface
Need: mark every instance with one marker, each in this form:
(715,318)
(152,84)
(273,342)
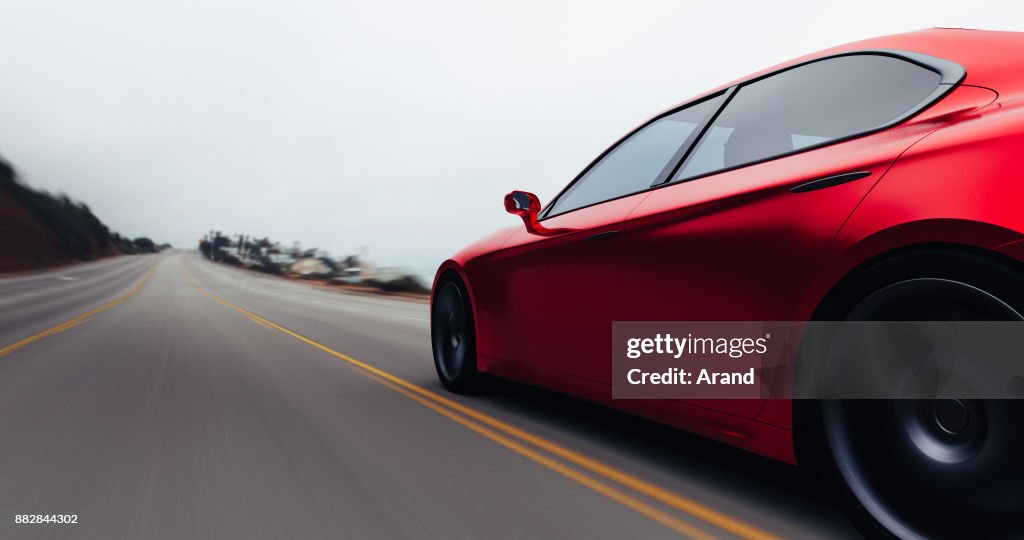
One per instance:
(738,245)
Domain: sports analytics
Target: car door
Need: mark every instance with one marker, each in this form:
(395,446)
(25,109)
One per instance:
(745,221)
(554,296)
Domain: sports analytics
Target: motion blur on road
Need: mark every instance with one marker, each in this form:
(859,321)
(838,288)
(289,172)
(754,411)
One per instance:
(165,396)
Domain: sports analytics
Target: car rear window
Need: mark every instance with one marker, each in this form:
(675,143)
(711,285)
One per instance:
(810,105)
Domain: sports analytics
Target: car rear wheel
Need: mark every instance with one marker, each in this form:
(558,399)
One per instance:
(924,468)
(453,336)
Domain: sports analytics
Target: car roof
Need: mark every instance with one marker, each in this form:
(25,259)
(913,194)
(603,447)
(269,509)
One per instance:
(993,59)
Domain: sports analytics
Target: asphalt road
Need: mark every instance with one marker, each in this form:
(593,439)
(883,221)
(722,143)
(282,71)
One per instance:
(168,397)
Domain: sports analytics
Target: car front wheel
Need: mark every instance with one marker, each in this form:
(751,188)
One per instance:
(453,336)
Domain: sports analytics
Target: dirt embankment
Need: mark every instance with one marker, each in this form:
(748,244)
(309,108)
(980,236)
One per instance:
(39,230)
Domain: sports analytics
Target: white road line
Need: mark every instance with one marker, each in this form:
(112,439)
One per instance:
(67,278)
(409,318)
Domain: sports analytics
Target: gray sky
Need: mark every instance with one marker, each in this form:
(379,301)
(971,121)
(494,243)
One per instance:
(394,125)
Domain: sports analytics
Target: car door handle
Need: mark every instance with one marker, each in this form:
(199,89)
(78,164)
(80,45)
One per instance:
(602,235)
(830,181)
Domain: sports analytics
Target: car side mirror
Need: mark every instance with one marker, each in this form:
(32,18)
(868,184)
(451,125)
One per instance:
(526,205)
(522,203)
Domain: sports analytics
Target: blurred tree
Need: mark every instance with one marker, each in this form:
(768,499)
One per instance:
(144,245)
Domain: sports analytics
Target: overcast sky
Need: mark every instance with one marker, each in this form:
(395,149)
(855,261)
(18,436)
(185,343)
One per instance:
(392,125)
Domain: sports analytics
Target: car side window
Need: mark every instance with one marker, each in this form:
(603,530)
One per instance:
(809,105)
(637,161)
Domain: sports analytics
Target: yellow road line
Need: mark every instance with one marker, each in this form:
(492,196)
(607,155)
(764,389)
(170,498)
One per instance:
(67,325)
(662,495)
(612,493)
(261,323)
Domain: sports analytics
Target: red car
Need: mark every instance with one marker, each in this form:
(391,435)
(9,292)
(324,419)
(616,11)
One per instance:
(880,180)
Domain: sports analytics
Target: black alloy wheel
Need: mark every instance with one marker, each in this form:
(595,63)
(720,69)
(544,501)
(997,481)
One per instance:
(453,336)
(948,468)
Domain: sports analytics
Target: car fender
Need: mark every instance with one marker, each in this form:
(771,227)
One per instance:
(940,191)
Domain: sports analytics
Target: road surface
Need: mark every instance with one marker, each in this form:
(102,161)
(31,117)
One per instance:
(166,396)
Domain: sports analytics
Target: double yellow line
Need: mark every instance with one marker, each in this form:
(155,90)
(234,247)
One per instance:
(69,324)
(607,480)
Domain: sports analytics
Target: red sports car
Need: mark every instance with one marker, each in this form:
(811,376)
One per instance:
(880,180)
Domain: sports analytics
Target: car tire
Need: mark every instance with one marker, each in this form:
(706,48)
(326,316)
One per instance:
(870,454)
(453,335)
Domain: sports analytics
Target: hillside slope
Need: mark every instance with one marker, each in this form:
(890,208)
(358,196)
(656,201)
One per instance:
(39,230)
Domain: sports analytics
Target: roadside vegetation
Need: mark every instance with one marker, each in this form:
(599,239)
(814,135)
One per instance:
(39,229)
(352,272)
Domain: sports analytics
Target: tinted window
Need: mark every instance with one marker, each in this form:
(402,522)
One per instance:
(636,162)
(809,105)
